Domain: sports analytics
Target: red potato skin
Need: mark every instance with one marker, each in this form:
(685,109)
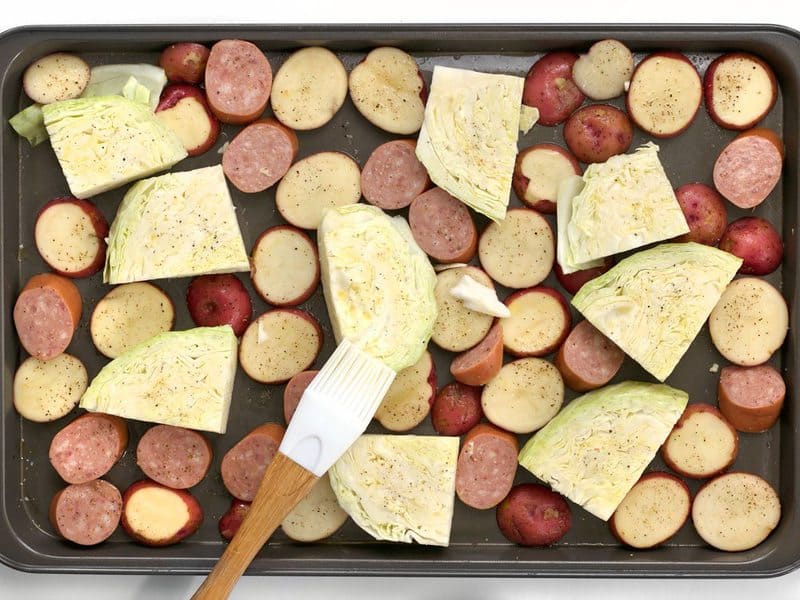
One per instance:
(708,89)
(575,281)
(184,62)
(754,418)
(219,300)
(549,87)
(705,213)
(100,225)
(305,295)
(543,289)
(666,54)
(456,409)
(612,524)
(173,94)
(230,522)
(597,132)
(520,182)
(701,407)
(191,525)
(533,515)
(478,365)
(755,241)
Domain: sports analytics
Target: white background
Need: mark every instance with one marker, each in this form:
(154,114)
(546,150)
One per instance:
(14,584)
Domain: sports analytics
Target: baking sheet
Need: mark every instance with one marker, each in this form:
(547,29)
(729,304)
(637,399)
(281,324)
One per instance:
(30,177)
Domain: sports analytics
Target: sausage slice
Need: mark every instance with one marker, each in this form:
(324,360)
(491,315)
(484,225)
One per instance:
(487,464)
(479,364)
(443,227)
(749,168)
(173,456)
(238,81)
(86,513)
(259,155)
(751,398)
(587,359)
(88,447)
(243,465)
(393,176)
(293,392)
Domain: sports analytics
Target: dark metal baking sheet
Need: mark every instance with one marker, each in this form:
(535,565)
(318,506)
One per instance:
(30,177)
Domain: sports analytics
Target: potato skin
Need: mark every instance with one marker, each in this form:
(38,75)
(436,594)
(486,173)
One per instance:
(549,87)
(597,132)
(456,409)
(184,62)
(755,241)
(573,282)
(533,515)
(705,213)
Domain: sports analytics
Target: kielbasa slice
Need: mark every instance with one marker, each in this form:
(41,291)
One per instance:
(86,513)
(393,175)
(259,155)
(293,392)
(443,227)
(479,364)
(487,464)
(243,465)
(46,315)
(749,168)
(238,81)
(751,398)
(88,447)
(173,456)
(587,359)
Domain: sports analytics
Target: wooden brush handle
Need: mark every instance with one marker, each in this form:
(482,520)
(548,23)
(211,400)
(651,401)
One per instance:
(285,483)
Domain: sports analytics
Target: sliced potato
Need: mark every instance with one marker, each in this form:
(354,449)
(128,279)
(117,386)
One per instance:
(388,89)
(56,77)
(46,390)
(539,322)
(736,511)
(320,181)
(128,315)
(702,444)
(519,251)
(309,88)
(279,344)
(602,72)
(285,266)
(457,328)
(750,321)
(316,516)
(740,89)
(524,395)
(410,396)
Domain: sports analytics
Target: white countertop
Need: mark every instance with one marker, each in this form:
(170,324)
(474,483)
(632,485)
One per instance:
(15,584)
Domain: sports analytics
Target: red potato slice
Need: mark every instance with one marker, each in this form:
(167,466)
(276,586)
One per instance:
(238,81)
(184,62)
(751,398)
(664,94)
(749,167)
(317,516)
(456,409)
(293,392)
(320,181)
(309,88)
(518,252)
(86,513)
(243,466)
(88,447)
(442,227)
(533,515)
(524,395)
(279,344)
(550,88)
(230,522)
(487,464)
(155,515)
(479,364)
(408,400)
(702,444)
(70,235)
(393,175)
(285,266)
(387,88)
(56,77)
(587,359)
(602,73)
(740,89)
(750,321)
(220,299)
(653,511)
(457,328)
(736,511)
(259,155)
(705,213)
(597,132)
(539,322)
(46,390)
(538,171)
(129,314)
(574,281)
(174,456)
(184,109)
(756,242)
